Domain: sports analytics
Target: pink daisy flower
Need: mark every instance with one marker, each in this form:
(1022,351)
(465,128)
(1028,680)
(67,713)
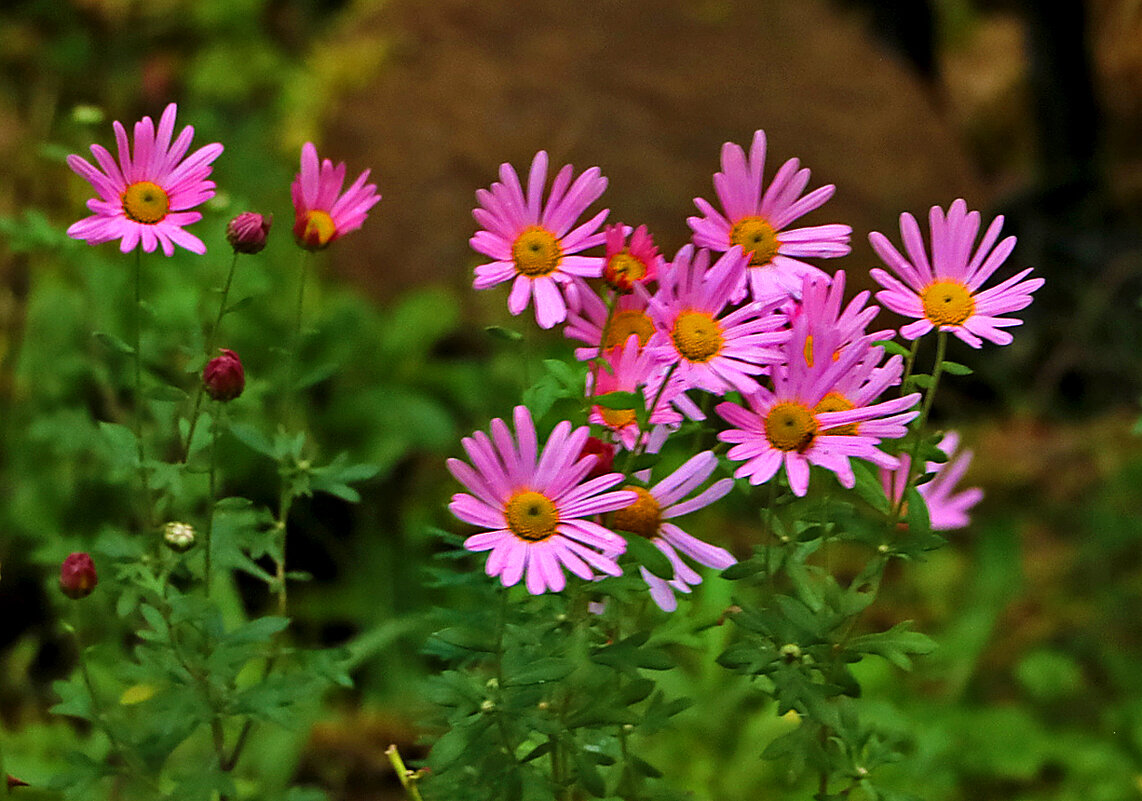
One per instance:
(633,369)
(947,509)
(715,353)
(649,515)
(146,198)
(945,292)
(585,322)
(757,222)
(532,243)
(828,327)
(536,505)
(322,212)
(626,265)
(784,426)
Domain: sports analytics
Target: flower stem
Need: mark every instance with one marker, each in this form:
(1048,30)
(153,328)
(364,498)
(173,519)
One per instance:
(407,777)
(208,543)
(921,422)
(138,417)
(211,342)
(295,339)
(909,362)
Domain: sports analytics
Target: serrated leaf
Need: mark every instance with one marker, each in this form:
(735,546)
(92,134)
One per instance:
(895,645)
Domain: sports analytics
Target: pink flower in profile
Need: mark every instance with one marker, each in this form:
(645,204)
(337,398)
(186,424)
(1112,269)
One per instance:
(532,243)
(146,198)
(947,509)
(632,368)
(785,426)
(626,265)
(536,505)
(758,222)
(945,292)
(715,352)
(649,515)
(322,212)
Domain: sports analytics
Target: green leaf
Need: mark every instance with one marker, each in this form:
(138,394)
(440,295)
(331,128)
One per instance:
(921,380)
(869,488)
(744,569)
(254,439)
(955,368)
(574,381)
(506,334)
(645,461)
(113,343)
(541,670)
(166,392)
(74,699)
(256,631)
(895,645)
(469,639)
(239,304)
(588,774)
(649,556)
(917,519)
(619,400)
(892,348)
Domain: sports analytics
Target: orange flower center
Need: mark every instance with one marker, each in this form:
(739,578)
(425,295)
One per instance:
(315,229)
(642,517)
(625,323)
(531,516)
(697,336)
(757,238)
(836,402)
(790,426)
(947,303)
(536,252)
(622,270)
(617,418)
(145,202)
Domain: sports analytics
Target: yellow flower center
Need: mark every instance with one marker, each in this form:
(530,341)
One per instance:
(317,229)
(617,418)
(642,517)
(531,516)
(536,252)
(757,238)
(790,426)
(947,303)
(623,270)
(625,323)
(697,336)
(836,402)
(145,202)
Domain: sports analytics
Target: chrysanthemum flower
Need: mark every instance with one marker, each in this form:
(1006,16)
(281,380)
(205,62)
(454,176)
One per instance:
(322,212)
(828,328)
(146,198)
(649,515)
(947,509)
(757,222)
(532,243)
(626,265)
(536,505)
(586,320)
(946,291)
(633,369)
(713,352)
(784,426)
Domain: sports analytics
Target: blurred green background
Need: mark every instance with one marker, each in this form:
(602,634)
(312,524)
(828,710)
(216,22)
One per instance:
(1033,110)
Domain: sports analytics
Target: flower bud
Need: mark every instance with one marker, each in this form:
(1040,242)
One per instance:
(224,377)
(605,451)
(247,232)
(77,576)
(179,537)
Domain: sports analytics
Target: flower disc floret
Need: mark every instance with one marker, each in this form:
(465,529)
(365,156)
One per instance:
(757,238)
(625,323)
(836,402)
(536,252)
(947,303)
(643,517)
(697,336)
(790,426)
(145,202)
(531,516)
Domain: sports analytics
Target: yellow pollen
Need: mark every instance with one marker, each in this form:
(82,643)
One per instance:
(317,229)
(536,252)
(531,516)
(836,402)
(145,202)
(947,303)
(625,323)
(623,269)
(757,238)
(697,336)
(790,426)
(617,418)
(642,517)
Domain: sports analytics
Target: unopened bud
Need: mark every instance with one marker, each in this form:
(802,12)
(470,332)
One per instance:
(77,576)
(247,232)
(791,652)
(224,377)
(179,537)
(605,451)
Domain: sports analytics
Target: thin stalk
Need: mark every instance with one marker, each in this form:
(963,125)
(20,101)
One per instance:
(211,342)
(295,338)
(909,362)
(407,777)
(138,417)
(208,540)
(640,446)
(921,422)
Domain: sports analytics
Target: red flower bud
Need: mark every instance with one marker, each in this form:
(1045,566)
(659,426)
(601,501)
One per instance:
(606,453)
(224,377)
(77,576)
(247,232)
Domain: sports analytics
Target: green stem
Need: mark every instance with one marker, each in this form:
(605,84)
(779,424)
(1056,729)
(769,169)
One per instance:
(208,540)
(295,338)
(407,777)
(909,362)
(921,422)
(138,417)
(644,436)
(211,342)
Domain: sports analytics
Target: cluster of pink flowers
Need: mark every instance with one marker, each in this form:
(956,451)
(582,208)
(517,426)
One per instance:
(739,314)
